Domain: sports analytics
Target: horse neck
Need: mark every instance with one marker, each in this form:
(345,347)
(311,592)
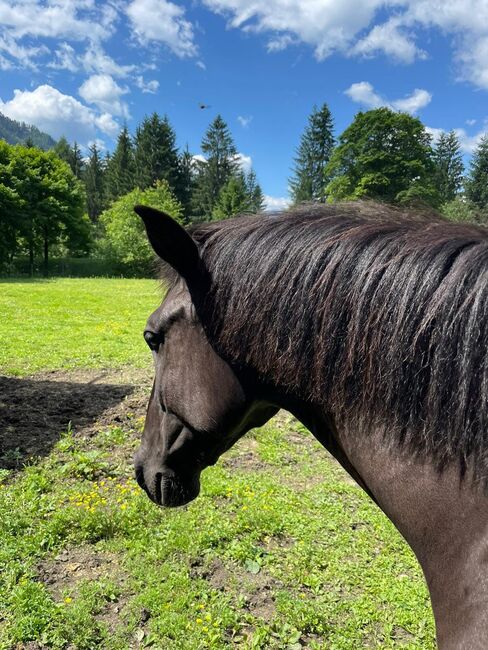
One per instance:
(443,518)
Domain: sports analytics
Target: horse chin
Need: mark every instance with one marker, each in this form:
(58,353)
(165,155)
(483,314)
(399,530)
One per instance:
(175,490)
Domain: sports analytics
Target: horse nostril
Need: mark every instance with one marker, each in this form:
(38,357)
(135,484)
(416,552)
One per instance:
(158,490)
(140,477)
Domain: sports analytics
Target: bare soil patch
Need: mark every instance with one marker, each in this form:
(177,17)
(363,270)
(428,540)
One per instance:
(35,410)
(255,589)
(65,572)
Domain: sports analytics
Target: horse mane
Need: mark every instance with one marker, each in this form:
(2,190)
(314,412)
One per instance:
(379,315)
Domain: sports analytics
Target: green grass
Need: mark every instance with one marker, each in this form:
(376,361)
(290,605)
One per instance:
(74,323)
(265,558)
(279,551)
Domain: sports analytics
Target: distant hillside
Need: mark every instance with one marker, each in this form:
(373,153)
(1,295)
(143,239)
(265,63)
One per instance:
(15,132)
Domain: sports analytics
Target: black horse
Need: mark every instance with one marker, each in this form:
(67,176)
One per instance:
(371,327)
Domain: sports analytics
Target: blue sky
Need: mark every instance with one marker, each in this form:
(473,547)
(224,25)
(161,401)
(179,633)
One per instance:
(81,68)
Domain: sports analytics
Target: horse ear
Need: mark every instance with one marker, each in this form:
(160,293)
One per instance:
(170,241)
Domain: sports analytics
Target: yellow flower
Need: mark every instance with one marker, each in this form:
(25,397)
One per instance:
(208,617)
(199,621)
(68,600)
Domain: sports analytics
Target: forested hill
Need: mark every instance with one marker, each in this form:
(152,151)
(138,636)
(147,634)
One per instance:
(15,132)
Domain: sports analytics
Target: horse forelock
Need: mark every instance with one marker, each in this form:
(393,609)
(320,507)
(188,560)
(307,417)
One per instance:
(377,314)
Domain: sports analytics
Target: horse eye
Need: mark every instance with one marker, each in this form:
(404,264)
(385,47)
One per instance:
(153,340)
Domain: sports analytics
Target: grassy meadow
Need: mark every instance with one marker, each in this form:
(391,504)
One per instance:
(281,550)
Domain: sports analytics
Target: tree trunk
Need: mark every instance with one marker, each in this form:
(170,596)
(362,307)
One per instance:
(31,258)
(46,254)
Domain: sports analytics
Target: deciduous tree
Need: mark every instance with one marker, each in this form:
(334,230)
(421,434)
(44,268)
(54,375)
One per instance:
(124,239)
(383,155)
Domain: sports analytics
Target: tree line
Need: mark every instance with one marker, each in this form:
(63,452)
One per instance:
(64,203)
(213,186)
(390,157)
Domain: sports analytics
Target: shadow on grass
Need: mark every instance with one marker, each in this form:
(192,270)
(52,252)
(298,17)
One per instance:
(34,412)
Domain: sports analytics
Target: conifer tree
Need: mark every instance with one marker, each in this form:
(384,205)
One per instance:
(156,154)
(187,182)
(94,178)
(219,166)
(120,176)
(76,162)
(254,192)
(449,166)
(312,156)
(63,150)
(233,198)
(476,185)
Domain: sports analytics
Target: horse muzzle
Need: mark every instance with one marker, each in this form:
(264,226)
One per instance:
(167,487)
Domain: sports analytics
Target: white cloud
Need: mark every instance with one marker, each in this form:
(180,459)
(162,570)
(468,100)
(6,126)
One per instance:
(58,114)
(326,25)
(5,64)
(276,203)
(468,142)
(147,86)
(100,144)
(434,133)
(280,43)
(364,93)
(106,123)
(389,39)
(71,19)
(23,56)
(105,93)
(95,60)
(65,58)
(201,65)
(412,103)
(473,57)
(244,162)
(471,122)
(331,27)
(162,21)
(244,121)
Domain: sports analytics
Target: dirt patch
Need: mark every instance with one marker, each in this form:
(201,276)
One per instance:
(35,410)
(214,572)
(245,460)
(402,636)
(255,590)
(261,603)
(71,567)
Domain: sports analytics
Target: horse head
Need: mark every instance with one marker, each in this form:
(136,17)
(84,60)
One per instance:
(199,404)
